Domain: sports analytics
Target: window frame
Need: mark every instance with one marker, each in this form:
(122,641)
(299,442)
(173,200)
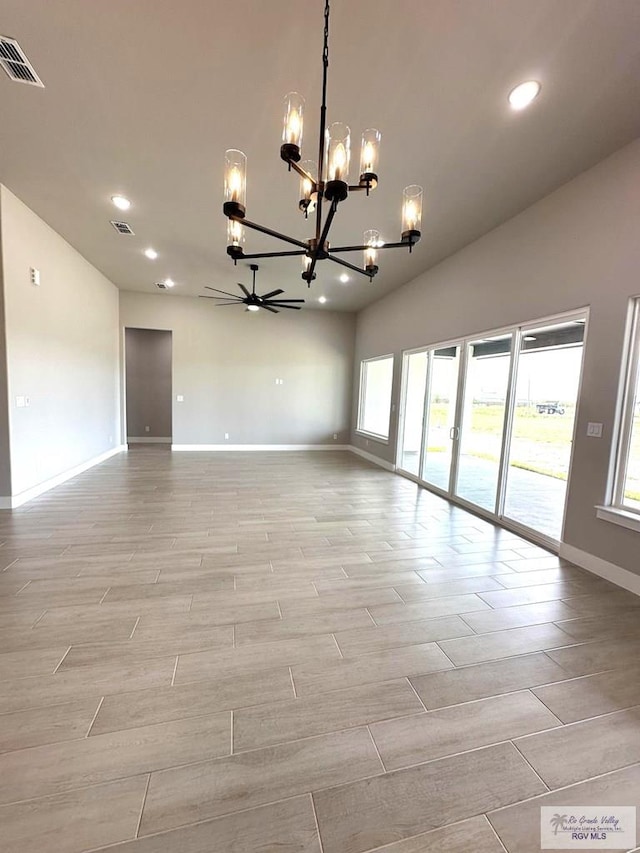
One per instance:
(384,439)
(625,414)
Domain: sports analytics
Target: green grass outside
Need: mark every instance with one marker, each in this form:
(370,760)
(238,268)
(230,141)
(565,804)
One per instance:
(555,431)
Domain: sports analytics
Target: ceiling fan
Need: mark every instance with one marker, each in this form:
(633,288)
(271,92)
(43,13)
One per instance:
(252,300)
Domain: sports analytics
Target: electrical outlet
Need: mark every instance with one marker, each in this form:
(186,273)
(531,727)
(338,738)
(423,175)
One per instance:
(147,429)
(180,398)
(335,436)
(226,436)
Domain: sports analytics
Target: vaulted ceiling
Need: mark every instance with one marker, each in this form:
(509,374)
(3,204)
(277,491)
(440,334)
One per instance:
(142,98)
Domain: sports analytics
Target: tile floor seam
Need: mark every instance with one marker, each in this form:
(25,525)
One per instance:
(419,698)
(495,832)
(370,616)
(38,619)
(90,724)
(60,662)
(144,802)
(133,630)
(453,665)
(315,818)
(535,695)
(375,746)
(335,640)
(293,684)
(526,760)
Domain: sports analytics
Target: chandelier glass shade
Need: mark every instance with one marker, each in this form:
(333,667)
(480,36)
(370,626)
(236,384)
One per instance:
(324,185)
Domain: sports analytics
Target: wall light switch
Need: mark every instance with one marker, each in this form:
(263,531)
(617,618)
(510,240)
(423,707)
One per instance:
(21,402)
(226,436)
(146,429)
(180,398)
(335,436)
(35,276)
(594,430)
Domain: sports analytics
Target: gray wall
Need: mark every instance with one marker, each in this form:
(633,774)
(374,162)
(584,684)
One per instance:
(148,383)
(62,350)
(579,246)
(226,362)
(5,446)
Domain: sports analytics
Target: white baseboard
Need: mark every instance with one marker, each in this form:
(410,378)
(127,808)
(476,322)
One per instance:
(609,571)
(388,466)
(257,447)
(146,439)
(13,501)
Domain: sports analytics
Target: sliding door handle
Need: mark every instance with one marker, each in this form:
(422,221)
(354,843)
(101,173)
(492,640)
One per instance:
(454,433)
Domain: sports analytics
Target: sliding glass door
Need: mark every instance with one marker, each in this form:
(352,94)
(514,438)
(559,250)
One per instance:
(483,420)
(546,392)
(490,420)
(415,382)
(441,416)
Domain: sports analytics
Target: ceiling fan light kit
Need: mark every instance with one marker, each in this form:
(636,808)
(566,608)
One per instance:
(323,186)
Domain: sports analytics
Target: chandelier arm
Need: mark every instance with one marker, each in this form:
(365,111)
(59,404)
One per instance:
(402,245)
(352,267)
(300,171)
(297,253)
(269,232)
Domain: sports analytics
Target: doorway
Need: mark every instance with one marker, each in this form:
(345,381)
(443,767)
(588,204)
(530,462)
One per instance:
(489,421)
(148,386)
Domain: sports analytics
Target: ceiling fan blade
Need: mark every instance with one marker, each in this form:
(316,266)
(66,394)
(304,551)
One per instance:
(283,301)
(244,290)
(219,298)
(293,307)
(267,308)
(232,295)
(272,293)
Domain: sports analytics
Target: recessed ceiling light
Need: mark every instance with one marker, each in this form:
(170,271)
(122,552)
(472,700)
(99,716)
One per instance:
(322,299)
(522,95)
(253,307)
(344,278)
(169,282)
(121,202)
(151,254)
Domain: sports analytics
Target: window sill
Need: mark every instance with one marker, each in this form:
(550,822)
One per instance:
(372,435)
(621,517)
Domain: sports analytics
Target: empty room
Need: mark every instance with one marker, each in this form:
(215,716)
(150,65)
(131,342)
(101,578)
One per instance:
(319,426)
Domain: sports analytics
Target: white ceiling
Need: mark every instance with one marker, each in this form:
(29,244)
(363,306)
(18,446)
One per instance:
(142,98)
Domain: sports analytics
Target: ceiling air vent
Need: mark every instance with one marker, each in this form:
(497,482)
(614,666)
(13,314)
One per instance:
(161,285)
(16,64)
(122,227)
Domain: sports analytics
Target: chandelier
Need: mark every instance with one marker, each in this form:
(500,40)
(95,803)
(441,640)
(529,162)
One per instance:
(323,186)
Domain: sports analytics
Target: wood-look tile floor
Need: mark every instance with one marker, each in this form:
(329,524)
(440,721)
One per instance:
(298,652)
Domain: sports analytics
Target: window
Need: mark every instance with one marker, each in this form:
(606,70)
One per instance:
(627,481)
(374,412)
